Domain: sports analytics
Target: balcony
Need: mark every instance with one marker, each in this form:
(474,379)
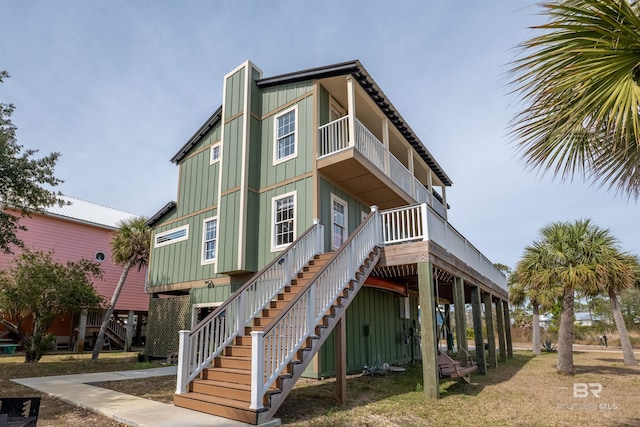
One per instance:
(368,169)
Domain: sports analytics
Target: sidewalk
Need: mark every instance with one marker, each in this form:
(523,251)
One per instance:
(126,409)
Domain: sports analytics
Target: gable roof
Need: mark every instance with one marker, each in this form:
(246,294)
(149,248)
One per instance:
(163,210)
(361,75)
(89,213)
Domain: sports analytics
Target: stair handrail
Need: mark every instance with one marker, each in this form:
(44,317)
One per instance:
(198,347)
(276,345)
(119,330)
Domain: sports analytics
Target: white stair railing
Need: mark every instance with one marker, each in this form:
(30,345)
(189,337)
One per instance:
(275,346)
(206,341)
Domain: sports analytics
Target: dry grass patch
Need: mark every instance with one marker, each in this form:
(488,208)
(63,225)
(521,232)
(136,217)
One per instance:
(54,412)
(525,391)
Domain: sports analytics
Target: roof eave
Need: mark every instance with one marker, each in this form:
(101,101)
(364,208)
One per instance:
(211,121)
(357,70)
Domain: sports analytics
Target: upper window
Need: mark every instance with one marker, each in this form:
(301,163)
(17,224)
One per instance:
(215,154)
(338,221)
(284,214)
(285,135)
(209,240)
(172,236)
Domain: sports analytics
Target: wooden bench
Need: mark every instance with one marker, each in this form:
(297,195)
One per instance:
(8,348)
(449,368)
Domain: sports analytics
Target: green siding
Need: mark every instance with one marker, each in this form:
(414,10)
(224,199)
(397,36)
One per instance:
(303,163)
(275,97)
(181,261)
(232,154)
(354,209)
(381,311)
(218,293)
(198,184)
(228,221)
(324,107)
(234,95)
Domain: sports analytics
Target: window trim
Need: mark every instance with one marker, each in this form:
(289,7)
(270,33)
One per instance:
(345,233)
(277,160)
(172,241)
(274,200)
(211,159)
(203,260)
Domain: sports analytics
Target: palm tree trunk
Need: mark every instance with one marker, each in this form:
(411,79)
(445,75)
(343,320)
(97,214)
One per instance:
(565,335)
(536,328)
(625,342)
(105,322)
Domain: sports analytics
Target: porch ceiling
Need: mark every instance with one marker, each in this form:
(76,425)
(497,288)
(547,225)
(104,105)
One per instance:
(353,172)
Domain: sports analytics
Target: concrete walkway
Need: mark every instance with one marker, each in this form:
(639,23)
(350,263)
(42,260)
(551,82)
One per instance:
(126,409)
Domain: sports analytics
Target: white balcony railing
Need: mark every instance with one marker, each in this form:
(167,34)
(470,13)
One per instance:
(420,222)
(334,137)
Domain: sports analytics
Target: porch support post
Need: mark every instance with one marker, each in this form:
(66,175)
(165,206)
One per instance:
(129,337)
(385,142)
(491,338)
(500,327)
(477,330)
(82,332)
(351,110)
(428,330)
(507,328)
(461,319)
(447,322)
(340,334)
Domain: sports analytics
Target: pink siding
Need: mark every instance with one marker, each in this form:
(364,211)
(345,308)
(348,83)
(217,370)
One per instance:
(71,241)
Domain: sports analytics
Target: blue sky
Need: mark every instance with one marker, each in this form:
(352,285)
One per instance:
(117,87)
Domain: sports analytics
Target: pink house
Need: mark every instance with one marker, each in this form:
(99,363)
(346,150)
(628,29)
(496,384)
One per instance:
(83,230)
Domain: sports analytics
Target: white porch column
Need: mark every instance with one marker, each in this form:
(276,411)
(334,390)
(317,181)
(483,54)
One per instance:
(444,202)
(351,110)
(412,170)
(385,142)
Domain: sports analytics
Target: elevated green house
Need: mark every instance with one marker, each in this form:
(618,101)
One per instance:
(310,237)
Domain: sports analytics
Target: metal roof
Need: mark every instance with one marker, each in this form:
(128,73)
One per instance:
(90,213)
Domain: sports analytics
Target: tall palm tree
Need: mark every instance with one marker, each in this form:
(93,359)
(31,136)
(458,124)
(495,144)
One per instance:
(579,82)
(520,292)
(623,272)
(567,257)
(130,247)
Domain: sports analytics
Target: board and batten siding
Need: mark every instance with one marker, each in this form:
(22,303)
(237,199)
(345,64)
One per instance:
(354,209)
(181,261)
(303,210)
(198,184)
(380,310)
(303,162)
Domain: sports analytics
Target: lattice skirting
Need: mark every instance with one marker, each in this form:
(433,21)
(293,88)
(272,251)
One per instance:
(167,316)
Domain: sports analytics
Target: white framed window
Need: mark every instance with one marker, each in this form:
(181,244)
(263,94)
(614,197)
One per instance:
(283,220)
(339,223)
(174,235)
(215,153)
(285,135)
(209,240)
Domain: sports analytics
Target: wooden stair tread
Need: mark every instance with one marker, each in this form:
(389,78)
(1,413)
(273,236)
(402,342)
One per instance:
(222,401)
(235,386)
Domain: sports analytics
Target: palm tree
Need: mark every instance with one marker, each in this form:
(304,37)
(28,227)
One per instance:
(623,272)
(130,247)
(579,81)
(539,298)
(568,256)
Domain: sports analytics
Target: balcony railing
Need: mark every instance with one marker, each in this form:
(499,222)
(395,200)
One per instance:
(418,222)
(334,137)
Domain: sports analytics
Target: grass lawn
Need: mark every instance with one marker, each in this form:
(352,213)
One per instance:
(54,412)
(525,391)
